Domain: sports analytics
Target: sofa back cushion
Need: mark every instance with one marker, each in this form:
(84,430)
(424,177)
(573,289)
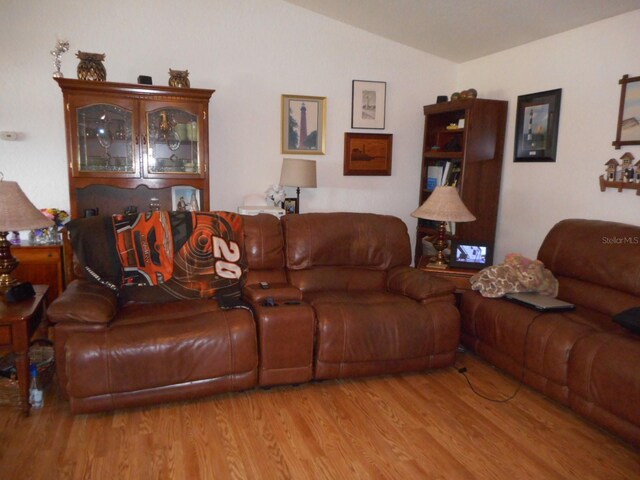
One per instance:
(339,251)
(264,246)
(596,262)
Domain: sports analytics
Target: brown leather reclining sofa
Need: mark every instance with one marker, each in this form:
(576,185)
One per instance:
(580,358)
(344,303)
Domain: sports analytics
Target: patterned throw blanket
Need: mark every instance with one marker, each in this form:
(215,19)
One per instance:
(160,256)
(516,274)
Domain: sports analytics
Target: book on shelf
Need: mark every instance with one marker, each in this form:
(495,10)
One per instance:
(434,177)
(445,172)
(454,175)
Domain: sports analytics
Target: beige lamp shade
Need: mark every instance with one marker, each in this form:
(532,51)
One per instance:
(444,205)
(298,173)
(16,210)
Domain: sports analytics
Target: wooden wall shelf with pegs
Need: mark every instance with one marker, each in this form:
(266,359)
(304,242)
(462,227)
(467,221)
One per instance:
(604,184)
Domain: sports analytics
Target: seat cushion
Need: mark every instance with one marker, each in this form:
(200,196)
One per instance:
(369,333)
(147,355)
(604,382)
(511,337)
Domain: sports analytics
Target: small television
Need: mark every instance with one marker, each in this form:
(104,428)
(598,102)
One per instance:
(469,254)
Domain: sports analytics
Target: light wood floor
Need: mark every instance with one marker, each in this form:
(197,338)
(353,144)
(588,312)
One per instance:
(414,426)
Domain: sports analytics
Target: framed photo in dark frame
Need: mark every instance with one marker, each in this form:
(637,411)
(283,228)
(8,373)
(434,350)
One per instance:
(469,254)
(290,205)
(537,120)
(367,153)
(628,131)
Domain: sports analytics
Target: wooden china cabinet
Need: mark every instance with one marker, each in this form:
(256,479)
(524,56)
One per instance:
(129,145)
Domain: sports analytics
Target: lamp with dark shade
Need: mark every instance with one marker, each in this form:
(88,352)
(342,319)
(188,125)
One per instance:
(443,205)
(298,173)
(16,213)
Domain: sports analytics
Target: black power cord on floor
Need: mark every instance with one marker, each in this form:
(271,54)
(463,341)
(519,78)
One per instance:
(463,370)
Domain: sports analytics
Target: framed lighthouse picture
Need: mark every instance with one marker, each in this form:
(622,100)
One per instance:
(368,101)
(303,124)
(537,120)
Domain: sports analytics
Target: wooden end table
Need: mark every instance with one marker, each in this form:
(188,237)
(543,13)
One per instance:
(18,322)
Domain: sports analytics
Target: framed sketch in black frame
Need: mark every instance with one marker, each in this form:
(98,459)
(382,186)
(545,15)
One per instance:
(537,119)
(368,103)
(472,255)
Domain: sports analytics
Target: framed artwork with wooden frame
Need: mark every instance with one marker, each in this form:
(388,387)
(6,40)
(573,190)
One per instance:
(367,153)
(628,132)
(537,120)
(368,102)
(303,124)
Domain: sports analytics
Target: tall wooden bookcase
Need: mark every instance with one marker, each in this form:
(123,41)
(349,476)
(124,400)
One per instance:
(464,142)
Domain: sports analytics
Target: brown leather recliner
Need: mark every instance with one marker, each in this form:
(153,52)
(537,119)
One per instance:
(112,353)
(374,313)
(580,358)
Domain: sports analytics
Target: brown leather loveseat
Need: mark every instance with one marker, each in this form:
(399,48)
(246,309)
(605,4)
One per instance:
(580,358)
(341,301)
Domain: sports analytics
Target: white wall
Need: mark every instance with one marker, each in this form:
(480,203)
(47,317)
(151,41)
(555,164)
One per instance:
(251,52)
(587,64)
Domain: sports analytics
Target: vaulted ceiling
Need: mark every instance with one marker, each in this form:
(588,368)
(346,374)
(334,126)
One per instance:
(462,30)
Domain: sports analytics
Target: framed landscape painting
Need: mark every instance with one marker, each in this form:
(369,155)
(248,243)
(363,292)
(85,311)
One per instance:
(367,153)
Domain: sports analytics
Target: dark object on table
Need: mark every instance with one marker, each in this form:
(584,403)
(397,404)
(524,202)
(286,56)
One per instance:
(20,292)
(145,80)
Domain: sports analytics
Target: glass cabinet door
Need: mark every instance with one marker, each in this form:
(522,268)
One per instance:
(105,140)
(173,147)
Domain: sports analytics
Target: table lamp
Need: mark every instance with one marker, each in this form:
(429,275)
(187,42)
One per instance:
(298,173)
(16,213)
(443,205)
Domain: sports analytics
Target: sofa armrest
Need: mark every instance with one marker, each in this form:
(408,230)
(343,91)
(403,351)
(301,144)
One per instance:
(84,301)
(418,284)
(280,292)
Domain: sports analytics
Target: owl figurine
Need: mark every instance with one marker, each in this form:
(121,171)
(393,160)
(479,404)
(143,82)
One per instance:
(179,78)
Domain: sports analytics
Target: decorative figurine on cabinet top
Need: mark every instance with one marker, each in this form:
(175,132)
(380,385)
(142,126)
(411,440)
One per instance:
(91,67)
(179,78)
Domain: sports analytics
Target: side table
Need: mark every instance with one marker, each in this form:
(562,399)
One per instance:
(41,264)
(458,276)
(18,322)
